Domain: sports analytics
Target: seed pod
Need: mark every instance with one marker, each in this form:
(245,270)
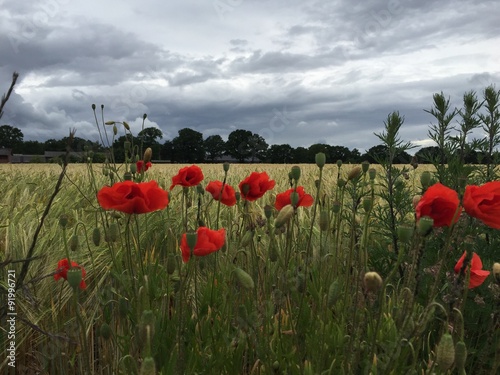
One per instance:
(367,204)
(171,264)
(295,173)
(405,233)
(373,282)
(320,159)
(425,179)
(372,173)
(445,352)
(425,225)
(244,279)
(96,236)
(74,277)
(365,166)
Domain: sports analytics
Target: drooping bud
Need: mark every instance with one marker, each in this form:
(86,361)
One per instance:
(460,356)
(445,352)
(115,130)
(96,236)
(109,123)
(73,242)
(126,125)
(373,282)
(284,216)
(320,159)
(243,278)
(148,154)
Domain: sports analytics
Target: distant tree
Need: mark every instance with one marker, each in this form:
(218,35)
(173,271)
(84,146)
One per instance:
(214,147)
(280,153)
(258,147)
(319,147)
(149,137)
(338,153)
(188,146)
(55,145)
(376,153)
(355,156)
(301,155)
(426,155)
(32,148)
(238,144)
(167,151)
(11,137)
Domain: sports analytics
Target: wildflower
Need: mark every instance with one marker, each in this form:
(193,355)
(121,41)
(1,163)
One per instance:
(187,176)
(207,242)
(133,198)
(483,203)
(226,196)
(477,274)
(439,203)
(143,167)
(282,199)
(63,268)
(255,186)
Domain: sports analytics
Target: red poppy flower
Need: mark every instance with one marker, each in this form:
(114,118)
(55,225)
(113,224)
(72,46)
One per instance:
(133,198)
(187,176)
(143,167)
(255,186)
(228,196)
(477,274)
(62,271)
(483,203)
(441,204)
(282,199)
(207,242)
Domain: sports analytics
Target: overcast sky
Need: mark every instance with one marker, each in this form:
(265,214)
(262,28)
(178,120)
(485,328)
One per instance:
(296,72)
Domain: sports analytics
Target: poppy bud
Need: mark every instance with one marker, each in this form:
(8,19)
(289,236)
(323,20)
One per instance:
(339,163)
(294,198)
(284,215)
(365,166)
(295,172)
(333,294)
(496,272)
(354,173)
(144,116)
(320,159)
(73,242)
(126,125)
(148,154)
(445,352)
(226,166)
(373,281)
(96,236)
(324,220)
(109,123)
(133,168)
(460,356)
(268,211)
(372,173)
(63,221)
(405,233)
(425,225)
(74,277)
(425,179)
(367,204)
(115,130)
(191,238)
(105,331)
(93,107)
(171,264)
(243,278)
(148,366)
(247,238)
